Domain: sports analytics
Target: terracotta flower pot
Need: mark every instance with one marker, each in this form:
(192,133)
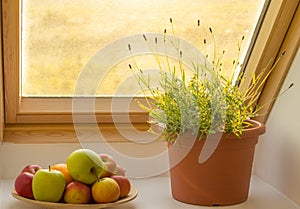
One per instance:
(223,179)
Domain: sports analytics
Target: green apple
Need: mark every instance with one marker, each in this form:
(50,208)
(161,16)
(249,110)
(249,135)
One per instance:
(85,166)
(48,185)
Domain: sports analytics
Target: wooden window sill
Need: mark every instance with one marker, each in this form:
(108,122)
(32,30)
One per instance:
(66,133)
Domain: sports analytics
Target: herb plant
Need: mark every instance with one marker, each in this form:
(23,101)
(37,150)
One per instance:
(207,102)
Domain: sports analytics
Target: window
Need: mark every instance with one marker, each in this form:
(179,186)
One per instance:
(59,38)
(23,106)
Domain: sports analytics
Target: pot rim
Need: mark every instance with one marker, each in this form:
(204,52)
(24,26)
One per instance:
(257,129)
(258,126)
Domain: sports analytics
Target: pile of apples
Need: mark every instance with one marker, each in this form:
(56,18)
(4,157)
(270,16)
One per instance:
(85,177)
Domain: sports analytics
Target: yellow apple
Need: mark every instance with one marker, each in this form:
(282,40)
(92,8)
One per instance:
(62,167)
(105,190)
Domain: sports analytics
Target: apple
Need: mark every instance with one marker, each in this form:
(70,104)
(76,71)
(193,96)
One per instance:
(31,168)
(105,190)
(120,171)
(77,193)
(85,166)
(23,184)
(62,167)
(110,165)
(48,185)
(124,184)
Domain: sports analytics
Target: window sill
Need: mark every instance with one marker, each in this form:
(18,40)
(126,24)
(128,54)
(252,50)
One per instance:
(67,133)
(155,192)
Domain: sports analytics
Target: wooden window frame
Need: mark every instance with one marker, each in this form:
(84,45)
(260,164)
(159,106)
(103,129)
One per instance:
(27,118)
(25,110)
(1,88)
(290,44)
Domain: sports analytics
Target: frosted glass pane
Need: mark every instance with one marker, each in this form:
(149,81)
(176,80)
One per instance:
(59,37)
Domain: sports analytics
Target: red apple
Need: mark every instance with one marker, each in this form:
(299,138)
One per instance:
(120,171)
(23,184)
(77,193)
(110,165)
(31,168)
(105,190)
(124,184)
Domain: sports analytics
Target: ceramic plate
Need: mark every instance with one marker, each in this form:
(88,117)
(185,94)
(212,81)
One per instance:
(50,205)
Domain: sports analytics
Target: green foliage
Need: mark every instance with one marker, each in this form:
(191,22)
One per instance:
(205,103)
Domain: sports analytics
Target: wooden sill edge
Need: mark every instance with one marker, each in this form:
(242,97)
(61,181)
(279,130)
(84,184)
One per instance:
(67,133)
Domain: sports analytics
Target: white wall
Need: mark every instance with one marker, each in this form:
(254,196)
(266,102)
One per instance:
(278,152)
(139,160)
(1,164)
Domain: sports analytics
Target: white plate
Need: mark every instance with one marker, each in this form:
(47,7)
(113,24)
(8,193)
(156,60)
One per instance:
(51,205)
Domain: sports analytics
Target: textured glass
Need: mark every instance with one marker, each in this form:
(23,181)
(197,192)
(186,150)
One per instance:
(59,37)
